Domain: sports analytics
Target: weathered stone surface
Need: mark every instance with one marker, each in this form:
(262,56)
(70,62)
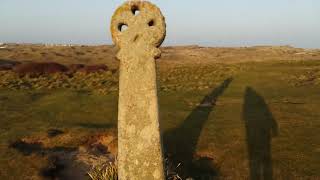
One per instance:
(139,142)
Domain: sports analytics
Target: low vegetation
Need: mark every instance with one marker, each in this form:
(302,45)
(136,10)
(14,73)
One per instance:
(224,120)
(105,172)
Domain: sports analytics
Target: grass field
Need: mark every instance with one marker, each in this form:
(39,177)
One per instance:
(248,120)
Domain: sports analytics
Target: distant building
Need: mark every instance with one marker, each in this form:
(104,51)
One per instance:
(63,45)
(3,45)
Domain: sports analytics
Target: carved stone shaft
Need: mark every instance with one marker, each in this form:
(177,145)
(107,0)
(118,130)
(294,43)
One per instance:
(138,29)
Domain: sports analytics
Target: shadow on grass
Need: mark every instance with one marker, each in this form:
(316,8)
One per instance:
(180,143)
(260,128)
(96,126)
(55,163)
(28,148)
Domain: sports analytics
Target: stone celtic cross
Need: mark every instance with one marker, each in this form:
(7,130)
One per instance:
(138,29)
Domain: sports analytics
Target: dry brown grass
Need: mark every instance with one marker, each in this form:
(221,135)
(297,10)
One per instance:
(180,55)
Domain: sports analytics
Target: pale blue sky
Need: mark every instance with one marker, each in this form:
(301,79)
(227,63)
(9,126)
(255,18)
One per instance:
(202,22)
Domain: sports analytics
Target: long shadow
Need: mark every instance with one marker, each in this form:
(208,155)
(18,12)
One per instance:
(260,128)
(180,143)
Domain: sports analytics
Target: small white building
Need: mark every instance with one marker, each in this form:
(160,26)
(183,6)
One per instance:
(3,46)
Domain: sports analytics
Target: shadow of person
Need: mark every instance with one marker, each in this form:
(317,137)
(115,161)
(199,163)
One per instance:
(180,143)
(260,128)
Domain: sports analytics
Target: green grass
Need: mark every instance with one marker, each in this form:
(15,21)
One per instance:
(260,120)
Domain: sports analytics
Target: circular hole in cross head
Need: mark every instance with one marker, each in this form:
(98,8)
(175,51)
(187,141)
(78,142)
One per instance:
(122,27)
(151,23)
(135,10)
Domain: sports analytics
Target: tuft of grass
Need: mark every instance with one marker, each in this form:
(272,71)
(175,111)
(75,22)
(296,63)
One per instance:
(110,171)
(308,76)
(104,172)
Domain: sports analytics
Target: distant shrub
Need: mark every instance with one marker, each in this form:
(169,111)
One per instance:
(75,67)
(59,54)
(80,53)
(94,68)
(39,68)
(6,65)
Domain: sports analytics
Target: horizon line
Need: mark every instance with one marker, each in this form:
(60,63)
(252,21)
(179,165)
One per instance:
(166,45)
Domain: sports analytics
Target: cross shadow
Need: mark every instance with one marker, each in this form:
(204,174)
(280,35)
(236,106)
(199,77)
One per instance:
(180,143)
(260,128)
